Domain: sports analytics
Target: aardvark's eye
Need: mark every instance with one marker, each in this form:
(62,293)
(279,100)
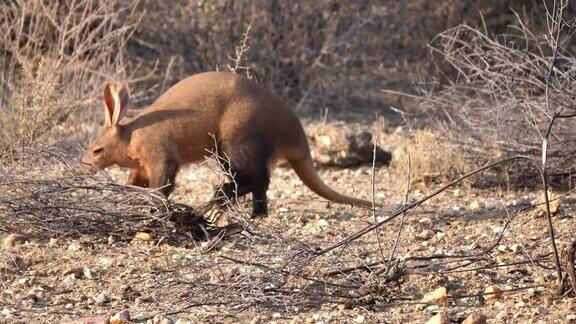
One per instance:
(98,151)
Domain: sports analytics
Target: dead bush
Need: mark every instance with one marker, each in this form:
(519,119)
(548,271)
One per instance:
(314,54)
(507,91)
(55,56)
(52,197)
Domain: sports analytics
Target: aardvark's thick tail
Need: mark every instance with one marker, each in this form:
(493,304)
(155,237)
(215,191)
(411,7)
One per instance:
(304,168)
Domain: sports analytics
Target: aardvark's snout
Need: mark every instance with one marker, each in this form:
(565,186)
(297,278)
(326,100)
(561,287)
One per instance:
(87,168)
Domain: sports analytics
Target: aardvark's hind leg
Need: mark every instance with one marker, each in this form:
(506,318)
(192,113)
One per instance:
(249,172)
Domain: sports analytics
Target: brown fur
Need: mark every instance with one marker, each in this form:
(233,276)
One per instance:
(213,111)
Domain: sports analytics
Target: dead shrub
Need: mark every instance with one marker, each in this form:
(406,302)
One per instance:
(52,197)
(312,53)
(504,91)
(55,56)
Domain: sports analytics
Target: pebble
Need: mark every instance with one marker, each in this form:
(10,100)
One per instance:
(74,247)
(440,318)
(120,317)
(6,312)
(433,309)
(74,271)
(492,294)
(161,319)
(542,311)
(53,242)
(88,273)
(359,319)
(102,298)
(425,235)
(438,295)
(12,241)
(106,262)
(571,317)
(475,319)
(143,236)
(474,205)
(502,315)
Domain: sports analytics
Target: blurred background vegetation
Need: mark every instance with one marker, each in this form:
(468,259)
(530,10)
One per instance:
(317,55)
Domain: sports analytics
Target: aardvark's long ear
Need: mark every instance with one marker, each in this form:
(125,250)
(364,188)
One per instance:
(115,102)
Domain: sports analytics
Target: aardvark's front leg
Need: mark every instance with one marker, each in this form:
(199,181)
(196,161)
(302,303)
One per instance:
(138,178)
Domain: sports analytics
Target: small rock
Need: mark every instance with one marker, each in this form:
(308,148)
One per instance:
(75,271)
(88,273)
(502,315)
(102,298)
(120,317)
(492,294)
(571,317)
(6,312)
(475,319)
(12,241)
(53,242)
(143,236)
(542,311)
(359,319)
(474,205)
(516,248)
(440,318)
(74,247)
(425,235)
(555,202)
(438,296)
(105,262)
(520,304)
(322,222)
(433,309)
(161,319)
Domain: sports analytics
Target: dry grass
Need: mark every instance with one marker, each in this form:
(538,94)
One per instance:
(55,56)
(431,158)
